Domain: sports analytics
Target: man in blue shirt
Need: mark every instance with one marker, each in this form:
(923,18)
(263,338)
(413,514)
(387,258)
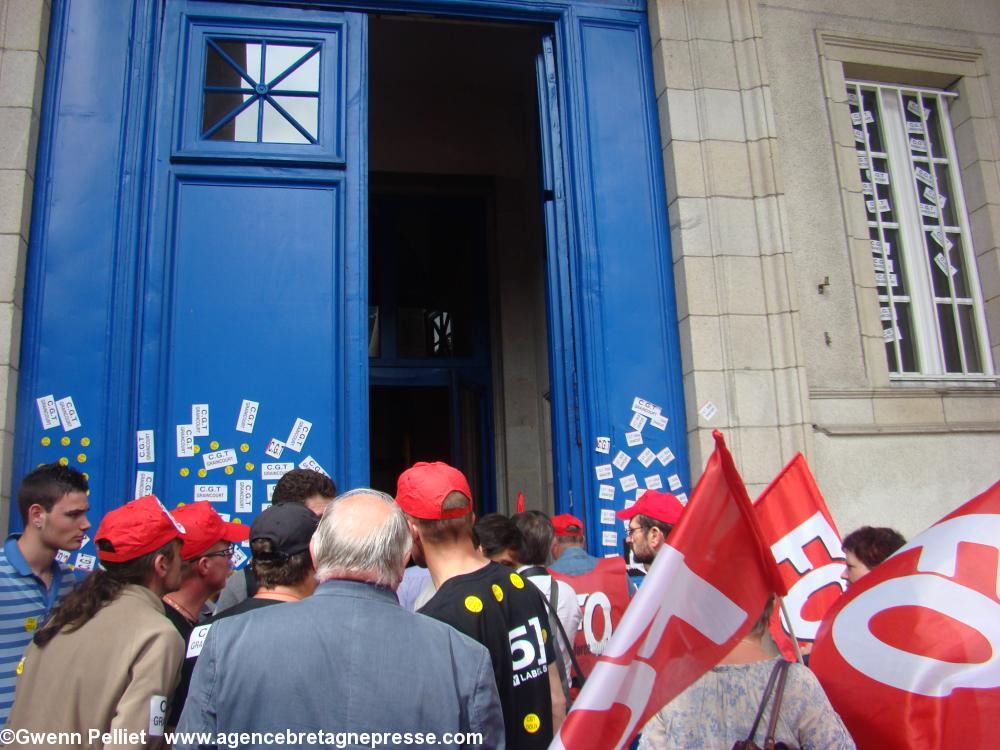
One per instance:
(53,504)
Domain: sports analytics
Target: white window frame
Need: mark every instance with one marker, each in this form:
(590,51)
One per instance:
(926,329)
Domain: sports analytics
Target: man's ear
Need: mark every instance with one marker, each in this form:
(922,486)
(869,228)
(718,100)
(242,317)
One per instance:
(36,516)
(161,564)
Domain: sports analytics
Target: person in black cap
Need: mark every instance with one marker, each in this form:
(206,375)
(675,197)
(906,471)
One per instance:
(279,544)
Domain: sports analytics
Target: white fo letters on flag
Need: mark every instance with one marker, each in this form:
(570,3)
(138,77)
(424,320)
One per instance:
(918,673)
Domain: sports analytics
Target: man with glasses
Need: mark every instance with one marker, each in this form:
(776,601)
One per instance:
(650,522)
(206,564)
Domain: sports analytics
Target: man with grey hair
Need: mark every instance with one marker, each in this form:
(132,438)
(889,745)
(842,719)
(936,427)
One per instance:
(417,676)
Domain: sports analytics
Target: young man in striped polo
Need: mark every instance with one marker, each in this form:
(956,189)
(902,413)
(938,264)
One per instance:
(53,503)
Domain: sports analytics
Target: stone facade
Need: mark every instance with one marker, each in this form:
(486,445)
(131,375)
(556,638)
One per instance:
(776,294)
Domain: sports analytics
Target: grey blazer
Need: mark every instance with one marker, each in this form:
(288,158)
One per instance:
(347,659)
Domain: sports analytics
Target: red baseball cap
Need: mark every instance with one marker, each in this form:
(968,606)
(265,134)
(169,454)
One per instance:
(204,528)
(136,529)
(660,506)
(567,525)
(422,488)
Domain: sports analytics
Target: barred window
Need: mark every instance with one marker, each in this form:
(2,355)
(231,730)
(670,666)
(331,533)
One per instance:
(930,302)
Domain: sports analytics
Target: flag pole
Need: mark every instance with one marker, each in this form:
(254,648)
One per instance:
(791,632)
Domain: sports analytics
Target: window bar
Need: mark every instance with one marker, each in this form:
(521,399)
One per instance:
(260,109)
(965,233)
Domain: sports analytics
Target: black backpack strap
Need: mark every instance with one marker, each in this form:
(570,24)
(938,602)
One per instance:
(764,700)
(538,570)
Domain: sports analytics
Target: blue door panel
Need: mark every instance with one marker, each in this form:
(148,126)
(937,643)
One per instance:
(628,309)
(251,314)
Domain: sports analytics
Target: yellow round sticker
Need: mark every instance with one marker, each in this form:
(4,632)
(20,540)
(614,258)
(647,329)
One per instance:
(202,473)
(497,593)
(237,520)
(185,471)
(46,440)
(545,635)
(64,441)
(532,723)
(214,445)
(20,666)
(249,465)
(86,476)
(229,469)
(64,461)
(85,441)
(196,449)
(181,505)
(474,604)
(517,581)
(30,624)
(81,458)
(244,447)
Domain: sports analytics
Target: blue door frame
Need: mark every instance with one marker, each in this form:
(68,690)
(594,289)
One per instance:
(612,316)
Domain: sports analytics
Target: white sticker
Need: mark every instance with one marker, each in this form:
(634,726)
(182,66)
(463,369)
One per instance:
(941,238)
(915,109)
(63,557)
(862,159)
(885,313)
(48,412)
(638,493)
(269,490)
(197,641)
(275,470)
(603,471)
(628,482)
(644,407)
(630,502)
(608,516)
(881,178)
(274,448)
(939,200)
(918,144)
(212,493)
(708,410)
(665,456)
(852,98)
(606,492)
(646,457)
(924,176)
(879,264)
(621,460)
(145,449)
(603,445)
(297,437)
(311,463)
(609,538)
(682,498)
(248,415)
(876,247)
(633,438)
(914,127)
(225,517)
(653,482)
(944,265)
(185,441)
(143,484)
(867,189)
(859,135)
(67,414)
(638,421)
(244,496)
(218,459)
(929,211)
(893,280)
(199,419)
(85,562)
(157,715)
(856,118)
(239,557)
(891,334)
(659,422)
(674,482)
(882,205)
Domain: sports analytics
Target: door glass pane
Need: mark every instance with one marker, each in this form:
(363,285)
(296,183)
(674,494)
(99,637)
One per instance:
(304,77)
(279,124)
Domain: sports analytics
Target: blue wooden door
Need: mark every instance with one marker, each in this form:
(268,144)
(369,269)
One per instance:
(246,368)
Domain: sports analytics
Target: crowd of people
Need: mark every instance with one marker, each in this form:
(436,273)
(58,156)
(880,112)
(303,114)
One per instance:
(403,617)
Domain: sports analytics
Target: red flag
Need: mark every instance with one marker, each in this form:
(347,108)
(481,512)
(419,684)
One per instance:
(802,536)
(520,502)
(703,593)
(910,655)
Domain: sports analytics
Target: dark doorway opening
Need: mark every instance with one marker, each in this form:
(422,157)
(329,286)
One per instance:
(457,261)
